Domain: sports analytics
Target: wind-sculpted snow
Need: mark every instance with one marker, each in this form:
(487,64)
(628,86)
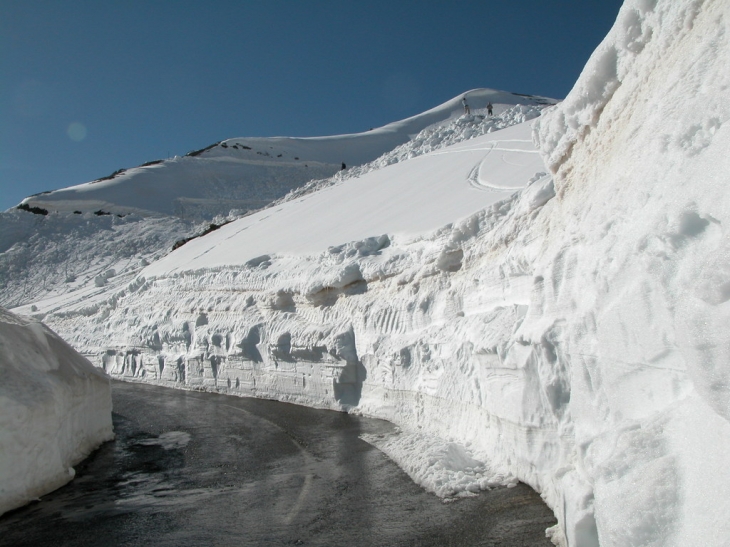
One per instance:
(55,408)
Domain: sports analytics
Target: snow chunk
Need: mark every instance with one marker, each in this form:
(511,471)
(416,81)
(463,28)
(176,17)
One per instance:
(445,468)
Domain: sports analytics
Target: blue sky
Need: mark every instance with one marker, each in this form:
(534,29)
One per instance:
(88,87)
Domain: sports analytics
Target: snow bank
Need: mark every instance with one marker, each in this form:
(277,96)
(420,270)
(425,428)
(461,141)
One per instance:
(55,408)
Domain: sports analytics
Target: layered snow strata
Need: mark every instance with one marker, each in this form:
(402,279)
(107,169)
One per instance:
(55,408)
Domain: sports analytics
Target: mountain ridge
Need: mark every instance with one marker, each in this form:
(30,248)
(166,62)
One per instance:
(248,172)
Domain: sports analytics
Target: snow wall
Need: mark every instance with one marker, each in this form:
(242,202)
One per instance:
(55,408)
(573,337)
(634,280)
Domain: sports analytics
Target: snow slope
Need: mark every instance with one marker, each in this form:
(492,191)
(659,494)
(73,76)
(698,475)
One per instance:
(45,257)
(61,256)
(55,408)
(405,199)
(247,173)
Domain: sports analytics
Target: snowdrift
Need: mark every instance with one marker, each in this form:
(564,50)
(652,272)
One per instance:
(55,408)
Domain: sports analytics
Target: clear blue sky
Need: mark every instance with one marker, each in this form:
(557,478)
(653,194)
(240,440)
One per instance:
(88,87)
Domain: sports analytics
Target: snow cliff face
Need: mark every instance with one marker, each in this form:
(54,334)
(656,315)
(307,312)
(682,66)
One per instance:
(637,284)
(55,408)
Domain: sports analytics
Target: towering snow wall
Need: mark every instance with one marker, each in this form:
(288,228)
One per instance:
(635,279)
(55,408)
(572,336)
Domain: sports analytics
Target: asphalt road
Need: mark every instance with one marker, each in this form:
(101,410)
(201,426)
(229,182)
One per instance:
(191,468)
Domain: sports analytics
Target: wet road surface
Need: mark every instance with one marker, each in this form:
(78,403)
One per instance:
(190,468)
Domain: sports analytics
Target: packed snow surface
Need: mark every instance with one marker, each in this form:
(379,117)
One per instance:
(557,318)
(55,408)
(405,199)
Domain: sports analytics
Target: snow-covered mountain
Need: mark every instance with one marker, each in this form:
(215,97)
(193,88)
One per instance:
(247,173)
(546,303)
(99,235)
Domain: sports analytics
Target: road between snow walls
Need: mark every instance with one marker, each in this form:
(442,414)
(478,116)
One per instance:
(572,336)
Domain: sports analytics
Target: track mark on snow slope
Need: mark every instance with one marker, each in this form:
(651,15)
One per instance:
(497,146)
(473,178)
(513,157)
(210,248)
(478,182)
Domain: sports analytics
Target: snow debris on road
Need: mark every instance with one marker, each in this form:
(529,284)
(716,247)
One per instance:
(55,408)
(447,469)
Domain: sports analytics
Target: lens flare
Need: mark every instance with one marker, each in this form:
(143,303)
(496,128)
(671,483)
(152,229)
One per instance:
(76,131)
